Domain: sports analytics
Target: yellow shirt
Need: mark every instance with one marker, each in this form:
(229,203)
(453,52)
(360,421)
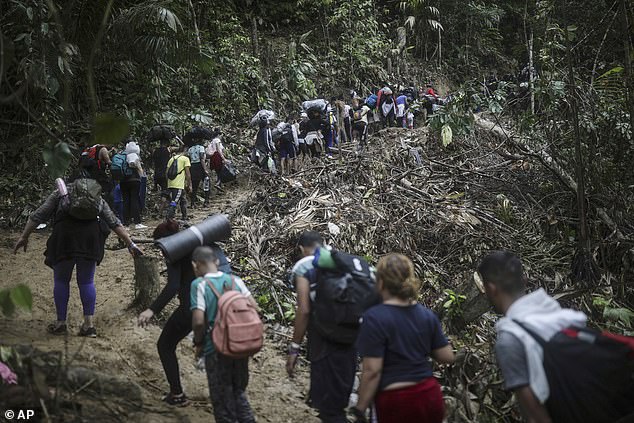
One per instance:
(179,181)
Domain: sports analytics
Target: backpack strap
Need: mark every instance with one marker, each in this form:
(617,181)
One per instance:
(213,288)
(215,291)
(541,341)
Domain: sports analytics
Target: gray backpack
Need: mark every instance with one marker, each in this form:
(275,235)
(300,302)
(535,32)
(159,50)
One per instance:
(84,199)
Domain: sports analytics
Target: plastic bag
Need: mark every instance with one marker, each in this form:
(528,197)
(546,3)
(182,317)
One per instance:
(262,114)
(316,105)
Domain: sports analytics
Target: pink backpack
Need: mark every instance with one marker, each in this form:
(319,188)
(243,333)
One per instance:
(238,331)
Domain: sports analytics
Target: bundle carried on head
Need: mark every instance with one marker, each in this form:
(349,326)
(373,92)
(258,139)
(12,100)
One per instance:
(197,134)
(318,105)
(262,115)
(161,132)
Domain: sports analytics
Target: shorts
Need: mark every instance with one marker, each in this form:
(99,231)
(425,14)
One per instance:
(288,151)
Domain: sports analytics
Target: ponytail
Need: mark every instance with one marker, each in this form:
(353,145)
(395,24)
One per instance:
(396,272)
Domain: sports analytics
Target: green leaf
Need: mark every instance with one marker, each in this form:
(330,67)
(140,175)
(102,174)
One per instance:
(617,69)
(57,158)
(6,304)
(109,129)
(5,353)
(21,296)
(623,315)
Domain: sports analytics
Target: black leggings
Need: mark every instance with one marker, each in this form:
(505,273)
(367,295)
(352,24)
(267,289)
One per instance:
(131,201)
(176,328)
(198,175)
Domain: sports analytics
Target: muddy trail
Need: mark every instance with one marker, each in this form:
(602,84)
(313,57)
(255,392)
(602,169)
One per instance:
(129,352)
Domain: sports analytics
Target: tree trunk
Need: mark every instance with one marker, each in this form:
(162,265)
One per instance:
(531,72)
(627,56)
(254,36)
(195,22)
(147,280)
(439,49)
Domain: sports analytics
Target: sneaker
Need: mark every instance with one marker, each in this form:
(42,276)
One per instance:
(57,329)
(88,332)
(140,226)
(176,400)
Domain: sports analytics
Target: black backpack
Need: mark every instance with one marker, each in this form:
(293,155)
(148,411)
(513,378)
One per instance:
(341,297)
(590,375)
(173,172)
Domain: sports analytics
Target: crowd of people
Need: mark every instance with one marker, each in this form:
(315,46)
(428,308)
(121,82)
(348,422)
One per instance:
(122,175)
(322,125)
(356,318)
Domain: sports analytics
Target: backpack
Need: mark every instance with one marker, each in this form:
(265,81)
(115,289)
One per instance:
(238,331)
(119,166)
(357,115)
(371,101)
(590,375)
(345,289)
(92,154)
(173,172)
(84,199)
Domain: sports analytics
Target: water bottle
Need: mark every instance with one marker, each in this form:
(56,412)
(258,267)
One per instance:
(206,184)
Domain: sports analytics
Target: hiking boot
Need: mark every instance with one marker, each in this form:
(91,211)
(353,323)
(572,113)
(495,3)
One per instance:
(57,329)
(90,332)
(180,400)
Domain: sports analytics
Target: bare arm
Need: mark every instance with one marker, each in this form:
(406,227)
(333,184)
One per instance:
(533,410)
(303,309)
(23,241)
(104,156)
(444,355)
(370,378)
(302,314)
(188,179)
(198,326)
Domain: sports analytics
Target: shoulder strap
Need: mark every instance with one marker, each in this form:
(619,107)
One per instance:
(213,288)
(531,332)
(233,282)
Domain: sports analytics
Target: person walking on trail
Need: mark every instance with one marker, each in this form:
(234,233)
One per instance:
(315,127)
(340,107)
(559,370)
(131,187)
(179,184)
(99,155)
(160,157)
(304,151)
(360,113)
(264,146)
(180,275)
(401,110)
(227,377)
(330,130)
(386,106)
(81,223)
(347,122)
(332,365)
(215,154)
(287,147)
(199,170)
(396,340)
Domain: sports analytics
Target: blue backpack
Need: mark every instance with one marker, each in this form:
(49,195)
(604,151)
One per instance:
(119,166)
(371,101)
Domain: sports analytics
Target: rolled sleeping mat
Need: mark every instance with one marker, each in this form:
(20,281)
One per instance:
(213,229)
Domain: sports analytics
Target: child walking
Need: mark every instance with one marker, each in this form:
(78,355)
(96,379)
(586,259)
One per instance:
(227,377)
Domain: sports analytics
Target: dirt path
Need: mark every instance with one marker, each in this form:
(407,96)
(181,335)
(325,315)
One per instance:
(126,350)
